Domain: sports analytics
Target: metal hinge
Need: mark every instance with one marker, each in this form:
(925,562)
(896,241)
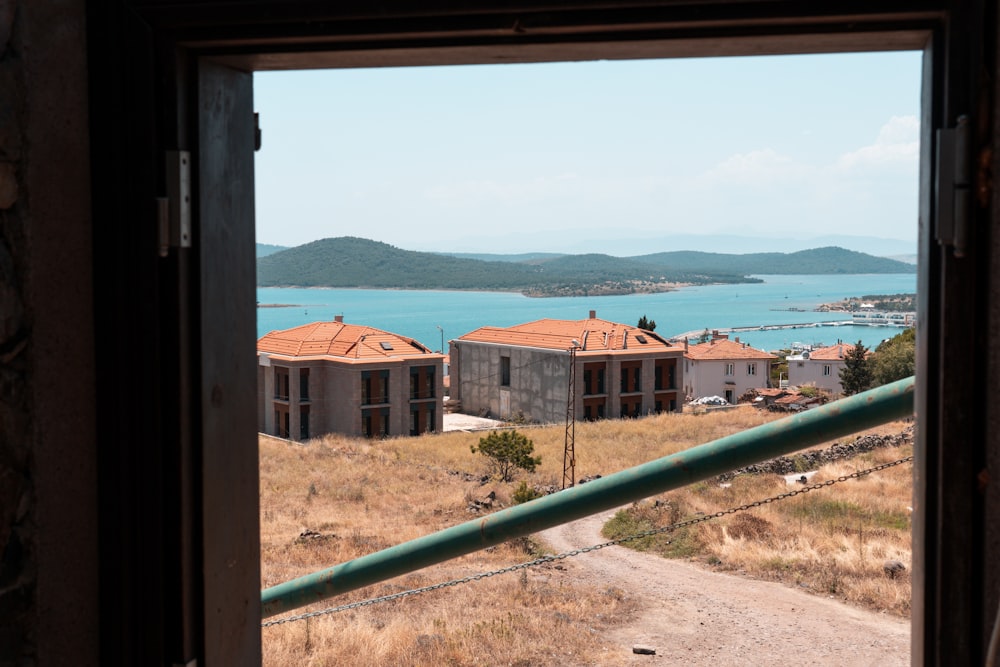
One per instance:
(174,210)
(953,188)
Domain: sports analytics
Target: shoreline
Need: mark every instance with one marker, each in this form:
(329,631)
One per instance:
(657,288)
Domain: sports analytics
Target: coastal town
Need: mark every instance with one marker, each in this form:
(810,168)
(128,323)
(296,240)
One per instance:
(350,378)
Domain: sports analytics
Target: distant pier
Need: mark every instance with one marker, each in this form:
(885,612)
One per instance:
(764,327)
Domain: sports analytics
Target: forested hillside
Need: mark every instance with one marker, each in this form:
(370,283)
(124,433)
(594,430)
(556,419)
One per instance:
(815,261)
(357,262)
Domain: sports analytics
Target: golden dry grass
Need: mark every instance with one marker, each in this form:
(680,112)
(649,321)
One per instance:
(832,541)
(358,497)
(355,497)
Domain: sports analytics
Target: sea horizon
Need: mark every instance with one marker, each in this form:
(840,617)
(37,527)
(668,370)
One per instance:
(433,317)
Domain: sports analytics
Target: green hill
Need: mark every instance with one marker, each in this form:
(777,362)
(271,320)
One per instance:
(828,260)
(356,262)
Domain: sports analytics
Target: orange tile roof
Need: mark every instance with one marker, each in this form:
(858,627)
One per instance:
(836,352)
(350,342)
(723,348)
(593,335)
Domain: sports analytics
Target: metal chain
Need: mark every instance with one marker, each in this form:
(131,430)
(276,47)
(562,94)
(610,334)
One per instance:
(576,552)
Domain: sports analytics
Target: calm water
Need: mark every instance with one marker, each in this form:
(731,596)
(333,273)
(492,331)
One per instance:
(418,314)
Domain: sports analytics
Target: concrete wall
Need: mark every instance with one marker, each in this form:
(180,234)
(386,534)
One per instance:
(539,381)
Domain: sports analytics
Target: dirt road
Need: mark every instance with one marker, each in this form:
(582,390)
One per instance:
(692,616)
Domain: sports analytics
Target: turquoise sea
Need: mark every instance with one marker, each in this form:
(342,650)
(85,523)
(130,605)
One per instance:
(430,315)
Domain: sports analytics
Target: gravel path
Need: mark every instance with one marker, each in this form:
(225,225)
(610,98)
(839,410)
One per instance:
(693,616)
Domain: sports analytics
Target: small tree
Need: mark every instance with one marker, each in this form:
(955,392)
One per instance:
(648,325)
(856,375)
(507,451)
(705,336)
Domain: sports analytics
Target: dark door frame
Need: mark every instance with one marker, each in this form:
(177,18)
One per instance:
(172,75)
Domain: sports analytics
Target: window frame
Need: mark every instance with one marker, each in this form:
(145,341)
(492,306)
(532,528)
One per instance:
(193,39)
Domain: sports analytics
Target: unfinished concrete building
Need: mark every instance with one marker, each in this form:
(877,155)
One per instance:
(523,371)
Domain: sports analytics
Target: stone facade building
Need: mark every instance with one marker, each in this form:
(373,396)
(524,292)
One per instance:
(331,377)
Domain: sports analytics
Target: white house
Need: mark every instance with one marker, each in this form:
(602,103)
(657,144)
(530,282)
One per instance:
(727,368)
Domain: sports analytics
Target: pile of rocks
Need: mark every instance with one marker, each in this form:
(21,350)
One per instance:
(814,458)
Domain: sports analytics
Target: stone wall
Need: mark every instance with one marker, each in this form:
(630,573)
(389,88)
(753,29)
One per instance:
(48,453)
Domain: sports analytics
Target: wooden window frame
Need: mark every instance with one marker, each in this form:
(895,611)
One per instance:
(178,75)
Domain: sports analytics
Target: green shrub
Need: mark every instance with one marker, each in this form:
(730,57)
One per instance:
(507,451)
(524,493)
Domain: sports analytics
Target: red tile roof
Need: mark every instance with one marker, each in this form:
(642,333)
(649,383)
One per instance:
(593,335)
(832,353)
(723,348)
(350,342)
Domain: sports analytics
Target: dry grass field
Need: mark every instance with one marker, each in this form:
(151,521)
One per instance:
(335,498)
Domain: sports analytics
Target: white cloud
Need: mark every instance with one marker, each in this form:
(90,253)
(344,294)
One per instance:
(898,142)
(758,167)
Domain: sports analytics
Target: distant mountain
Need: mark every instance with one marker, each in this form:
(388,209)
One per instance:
(829,260)
(264,249)
(356,262)
(627,245)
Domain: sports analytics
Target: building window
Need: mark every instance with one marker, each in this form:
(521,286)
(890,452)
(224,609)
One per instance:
(375,422)
(751,369)
(281,383)
(826,369)
(422,418)
(593,378)
(422,382)
(374,387)
(664,375)
(303,385)
(631,408)
(631,377)
(730,369)
(281,421)
(504,371)
(593,408)
(304,422)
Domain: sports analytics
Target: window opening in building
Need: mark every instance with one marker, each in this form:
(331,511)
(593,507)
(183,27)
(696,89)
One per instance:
(756,170)
(303,384)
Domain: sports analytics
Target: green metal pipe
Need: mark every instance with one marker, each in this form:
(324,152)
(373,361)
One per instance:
(811,427)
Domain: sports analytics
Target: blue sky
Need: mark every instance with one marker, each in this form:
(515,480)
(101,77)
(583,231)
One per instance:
(623,157)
